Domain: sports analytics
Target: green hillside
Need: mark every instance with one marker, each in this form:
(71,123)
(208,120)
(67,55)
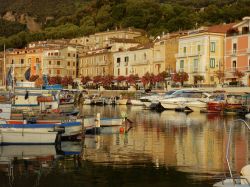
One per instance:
(72,18)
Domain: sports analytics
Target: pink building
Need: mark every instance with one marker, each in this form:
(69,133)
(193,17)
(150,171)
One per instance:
(237,52)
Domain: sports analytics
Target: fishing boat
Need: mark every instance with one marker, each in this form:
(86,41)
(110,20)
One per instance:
(72,127)
(29,134)
(236,104)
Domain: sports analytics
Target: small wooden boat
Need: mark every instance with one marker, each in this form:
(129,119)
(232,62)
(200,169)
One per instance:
(28,134)
(72,127)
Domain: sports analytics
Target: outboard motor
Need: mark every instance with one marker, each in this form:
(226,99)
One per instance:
(60,130)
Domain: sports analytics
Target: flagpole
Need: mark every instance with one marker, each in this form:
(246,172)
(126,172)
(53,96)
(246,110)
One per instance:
(4,66)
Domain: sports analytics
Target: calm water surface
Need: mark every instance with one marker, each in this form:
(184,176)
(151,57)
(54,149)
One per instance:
(161,149)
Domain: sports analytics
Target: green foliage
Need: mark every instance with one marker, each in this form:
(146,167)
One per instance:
(74,18)
(8,28)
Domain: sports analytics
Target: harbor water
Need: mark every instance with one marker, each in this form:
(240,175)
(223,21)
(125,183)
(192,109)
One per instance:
(157,149)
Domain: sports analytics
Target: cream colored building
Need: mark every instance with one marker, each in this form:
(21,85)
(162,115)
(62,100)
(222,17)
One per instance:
(136,60)
(201,53)
(96,62)
(103,39)
(60,61)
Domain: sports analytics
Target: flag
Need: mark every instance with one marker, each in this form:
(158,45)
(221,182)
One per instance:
(26,95)
(27,74)
(9,77)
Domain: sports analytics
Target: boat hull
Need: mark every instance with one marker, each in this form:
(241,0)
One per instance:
(26,136)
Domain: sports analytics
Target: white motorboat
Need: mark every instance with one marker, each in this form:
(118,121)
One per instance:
(136,102)
(247,115)
(180,99)
(196,106)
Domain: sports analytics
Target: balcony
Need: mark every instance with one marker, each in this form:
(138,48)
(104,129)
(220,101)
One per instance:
(181,55)
(15,65)
(158,59)
(143,62)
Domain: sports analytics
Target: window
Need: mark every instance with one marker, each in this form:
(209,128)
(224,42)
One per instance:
(212,78)
(212,62)
(126,60)
(58,71)
(234,65)
(118,71)
(74,55)
(58,63)
(234,47)
(49,71)
(37,60)
(68,54)
(145,56)
(68,63)
(126,71)
(134,57)
(49,62)
(74,63)
(199,48)
(22,61)
(56,53)
(212,47)
(195,65)
(118,60)
(184,50)
(181,64)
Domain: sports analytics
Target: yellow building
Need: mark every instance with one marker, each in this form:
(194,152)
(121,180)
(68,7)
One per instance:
(60,61)
(23,59)
(96,62)
(201,53)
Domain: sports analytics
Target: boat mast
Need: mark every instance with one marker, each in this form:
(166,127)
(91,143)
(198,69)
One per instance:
(4,66)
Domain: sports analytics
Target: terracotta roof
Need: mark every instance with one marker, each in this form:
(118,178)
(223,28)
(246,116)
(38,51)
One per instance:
(142,46)
(222,28)
(123,40)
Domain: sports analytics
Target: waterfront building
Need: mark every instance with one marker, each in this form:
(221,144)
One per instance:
(164,53)
(23,59)
(103,39)
(201,53)
(237,52)
(136,60)
(60,61)
(96,62)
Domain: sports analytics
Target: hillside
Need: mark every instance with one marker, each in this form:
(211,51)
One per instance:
(73,18)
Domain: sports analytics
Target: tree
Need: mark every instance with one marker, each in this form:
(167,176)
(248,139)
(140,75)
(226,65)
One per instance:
(148,79)
(198,78)
(65,81)
(239,74)
(120,79)
(220,75)
(180,77)
(107,80)
(132,79)
(97,79)
(85,80)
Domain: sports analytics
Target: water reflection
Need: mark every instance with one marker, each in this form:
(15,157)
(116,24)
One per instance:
(191,142)
(162,149)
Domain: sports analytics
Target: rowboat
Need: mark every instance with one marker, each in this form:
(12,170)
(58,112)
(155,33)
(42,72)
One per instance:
(72,127)
(29,134)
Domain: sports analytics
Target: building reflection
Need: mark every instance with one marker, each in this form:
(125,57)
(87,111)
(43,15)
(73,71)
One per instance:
(190,142)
